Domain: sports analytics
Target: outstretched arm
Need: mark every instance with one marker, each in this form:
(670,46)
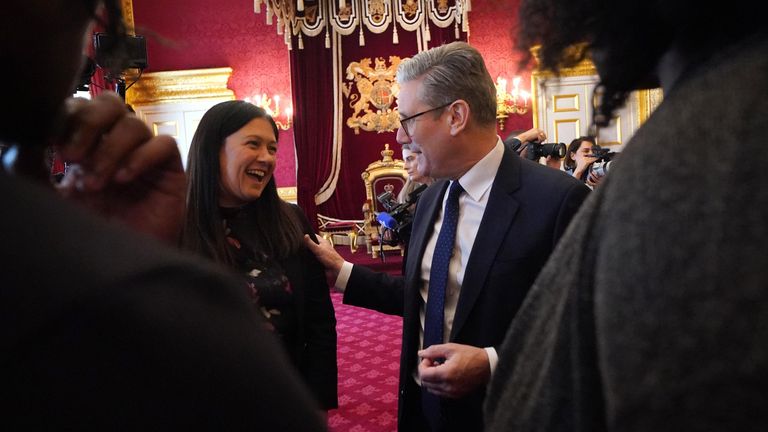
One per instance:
(326,254)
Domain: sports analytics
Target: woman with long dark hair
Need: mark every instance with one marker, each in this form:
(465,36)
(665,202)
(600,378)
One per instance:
(235,217)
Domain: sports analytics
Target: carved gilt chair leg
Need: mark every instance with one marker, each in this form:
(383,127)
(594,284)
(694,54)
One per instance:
(327,236)
(352,241)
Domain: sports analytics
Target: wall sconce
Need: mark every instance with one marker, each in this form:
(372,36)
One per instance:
(515,102)
(273,109)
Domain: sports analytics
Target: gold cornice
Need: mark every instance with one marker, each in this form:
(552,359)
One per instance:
(174,86)
(584,67)
(127,6)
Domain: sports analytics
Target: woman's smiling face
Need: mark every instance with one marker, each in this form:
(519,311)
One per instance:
(247,162)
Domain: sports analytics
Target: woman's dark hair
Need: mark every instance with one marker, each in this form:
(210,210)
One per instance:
(275,223)
(573,147)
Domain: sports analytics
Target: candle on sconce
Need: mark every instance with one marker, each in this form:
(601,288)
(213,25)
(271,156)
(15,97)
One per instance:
(272,107)
(510,103)
(501,87)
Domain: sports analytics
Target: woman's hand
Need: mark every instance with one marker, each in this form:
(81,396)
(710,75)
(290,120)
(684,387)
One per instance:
(583,164)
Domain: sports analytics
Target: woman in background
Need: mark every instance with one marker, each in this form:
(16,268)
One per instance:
(235,217)
(579,160)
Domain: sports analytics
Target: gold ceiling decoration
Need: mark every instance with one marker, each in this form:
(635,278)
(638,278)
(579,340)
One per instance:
(345,17)
(377,90)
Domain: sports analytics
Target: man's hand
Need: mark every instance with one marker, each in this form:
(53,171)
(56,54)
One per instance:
(120,170)
(453,370)
(326,254)
(534,134)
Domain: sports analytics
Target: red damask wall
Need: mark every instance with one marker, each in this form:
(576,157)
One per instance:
(491,31)
(193,34)
(197,34)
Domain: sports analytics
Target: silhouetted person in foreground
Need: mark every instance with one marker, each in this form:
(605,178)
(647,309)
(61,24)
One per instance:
(104,327)
(652,313)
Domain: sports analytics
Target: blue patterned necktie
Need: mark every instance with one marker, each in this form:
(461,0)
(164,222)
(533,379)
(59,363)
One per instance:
(438,280)
(438,275)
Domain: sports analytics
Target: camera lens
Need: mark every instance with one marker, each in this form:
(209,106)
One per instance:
(556,150)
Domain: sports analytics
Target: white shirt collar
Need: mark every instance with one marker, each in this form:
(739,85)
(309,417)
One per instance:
(479,179)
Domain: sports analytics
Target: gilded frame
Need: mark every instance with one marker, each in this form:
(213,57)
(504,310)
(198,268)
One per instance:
(646,100)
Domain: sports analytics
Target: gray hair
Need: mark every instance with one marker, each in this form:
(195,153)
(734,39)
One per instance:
(453,71)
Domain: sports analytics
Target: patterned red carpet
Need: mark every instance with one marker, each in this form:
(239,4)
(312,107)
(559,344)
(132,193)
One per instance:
(369,360)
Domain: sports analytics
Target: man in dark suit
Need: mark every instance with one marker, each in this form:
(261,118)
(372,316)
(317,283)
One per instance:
(511,213)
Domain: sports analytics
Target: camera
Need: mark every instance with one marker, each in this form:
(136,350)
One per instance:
(118,56)
(600,169)
(538,150)
(114,56)
(604,158)
(396,221)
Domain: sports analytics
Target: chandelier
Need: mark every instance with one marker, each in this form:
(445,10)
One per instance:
(272,107)
(311,18)
(515,102)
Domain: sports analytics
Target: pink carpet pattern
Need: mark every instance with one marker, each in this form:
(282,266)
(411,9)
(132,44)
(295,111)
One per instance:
(369,360)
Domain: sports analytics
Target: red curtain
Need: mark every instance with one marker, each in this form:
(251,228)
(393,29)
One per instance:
(312,89)
(312,86)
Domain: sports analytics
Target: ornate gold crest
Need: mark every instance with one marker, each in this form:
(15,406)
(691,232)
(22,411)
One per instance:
(376,86)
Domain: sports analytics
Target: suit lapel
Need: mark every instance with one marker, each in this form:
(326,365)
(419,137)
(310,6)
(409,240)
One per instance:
(426,212)
(494,227)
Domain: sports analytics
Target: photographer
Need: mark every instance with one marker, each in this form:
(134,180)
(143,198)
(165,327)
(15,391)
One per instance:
(580,159)
(523,142)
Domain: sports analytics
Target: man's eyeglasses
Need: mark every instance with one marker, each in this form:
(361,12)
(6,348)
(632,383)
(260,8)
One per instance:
(407,123)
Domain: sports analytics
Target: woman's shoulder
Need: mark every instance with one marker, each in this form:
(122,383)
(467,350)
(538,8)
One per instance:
(299,215)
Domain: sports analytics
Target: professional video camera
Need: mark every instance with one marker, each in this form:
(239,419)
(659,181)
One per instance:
(538,150)
(396,220)
(115,57)
(604,158)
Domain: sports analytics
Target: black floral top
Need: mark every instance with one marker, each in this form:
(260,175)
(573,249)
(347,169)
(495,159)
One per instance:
(266,280)
(292,294)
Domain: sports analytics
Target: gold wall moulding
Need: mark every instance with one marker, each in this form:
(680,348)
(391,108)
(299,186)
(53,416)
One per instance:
(647,100)
(174,86)
(288,193)
(377,90)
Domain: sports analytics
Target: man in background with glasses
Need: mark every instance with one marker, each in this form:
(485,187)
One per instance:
(505,215)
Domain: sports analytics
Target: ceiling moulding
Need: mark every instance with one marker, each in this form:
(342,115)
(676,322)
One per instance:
(174,86)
